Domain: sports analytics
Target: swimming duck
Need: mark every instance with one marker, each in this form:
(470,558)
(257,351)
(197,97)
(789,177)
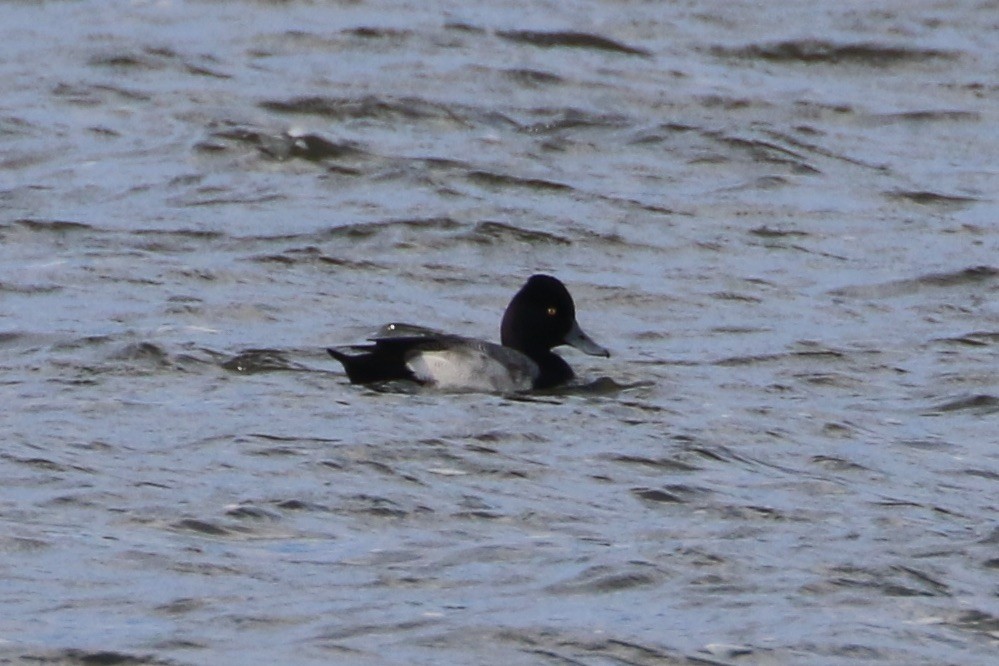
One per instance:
(540,316)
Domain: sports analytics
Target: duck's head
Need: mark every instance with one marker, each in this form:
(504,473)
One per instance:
(542,316)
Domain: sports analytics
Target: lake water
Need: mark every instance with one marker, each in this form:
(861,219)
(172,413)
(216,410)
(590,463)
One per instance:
(780,217)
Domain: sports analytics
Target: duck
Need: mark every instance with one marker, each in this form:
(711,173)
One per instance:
(540,317)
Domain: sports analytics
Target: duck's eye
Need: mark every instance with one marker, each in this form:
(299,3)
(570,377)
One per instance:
(552,310)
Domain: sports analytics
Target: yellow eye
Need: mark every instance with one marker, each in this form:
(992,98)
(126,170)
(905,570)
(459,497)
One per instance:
(552,310)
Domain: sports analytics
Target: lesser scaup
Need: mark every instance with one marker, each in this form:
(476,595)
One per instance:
(540,316)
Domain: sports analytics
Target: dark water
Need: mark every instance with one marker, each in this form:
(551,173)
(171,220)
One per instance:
(781,219)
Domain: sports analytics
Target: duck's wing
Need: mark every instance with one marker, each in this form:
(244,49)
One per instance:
(386,358)
(443,360)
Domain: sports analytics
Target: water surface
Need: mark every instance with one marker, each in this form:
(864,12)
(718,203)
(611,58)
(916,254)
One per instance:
(780,219)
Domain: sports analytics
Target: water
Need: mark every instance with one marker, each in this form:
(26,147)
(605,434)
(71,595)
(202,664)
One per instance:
(781,219)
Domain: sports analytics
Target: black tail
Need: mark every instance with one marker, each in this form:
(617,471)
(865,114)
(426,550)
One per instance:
(372,363)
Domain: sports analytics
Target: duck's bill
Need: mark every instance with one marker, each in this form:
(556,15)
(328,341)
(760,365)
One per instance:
(581,341)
